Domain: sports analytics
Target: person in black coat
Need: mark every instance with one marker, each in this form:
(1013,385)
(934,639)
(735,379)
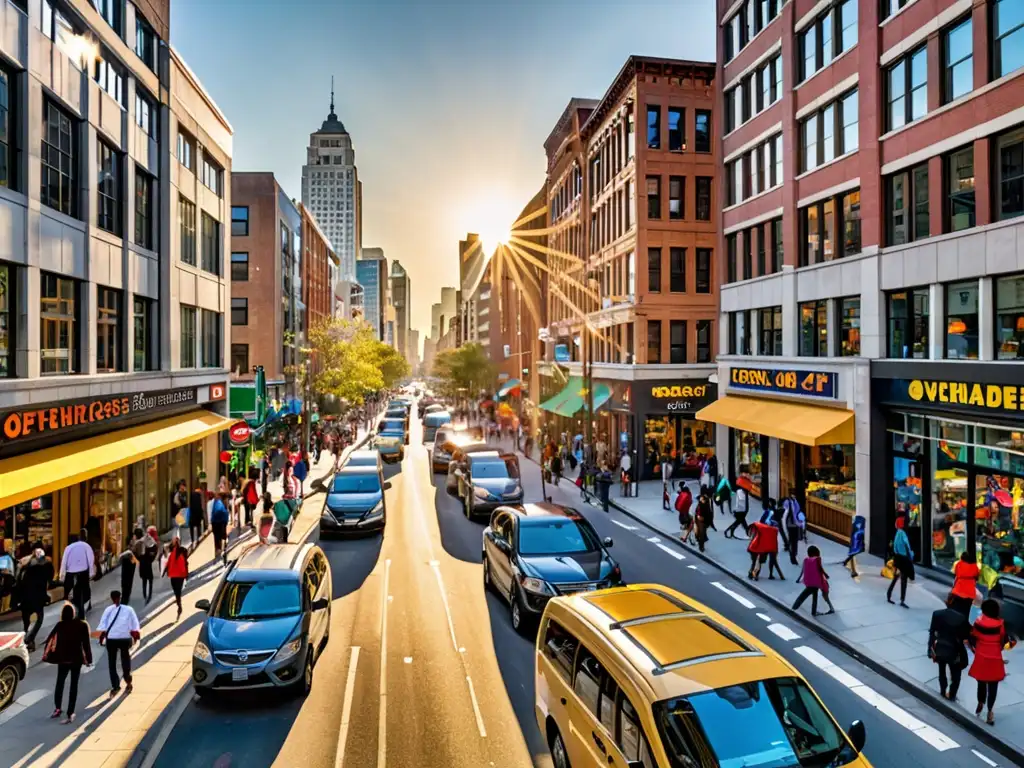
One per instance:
(35,577)
(68,646)
(947,638)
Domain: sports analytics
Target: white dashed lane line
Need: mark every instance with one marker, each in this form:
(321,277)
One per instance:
(984,759)
(623,525)
(764,617)
(922,730)
(669,550)
(734,595)
(783,631)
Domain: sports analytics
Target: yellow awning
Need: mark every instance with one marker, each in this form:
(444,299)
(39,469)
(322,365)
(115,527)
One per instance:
(796,422)
(34,474)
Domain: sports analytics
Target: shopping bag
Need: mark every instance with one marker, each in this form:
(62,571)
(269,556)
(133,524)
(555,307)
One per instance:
(179,519)
(888,571)
(988,576)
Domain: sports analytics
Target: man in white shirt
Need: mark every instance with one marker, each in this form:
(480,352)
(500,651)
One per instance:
(119,629)
(76,568)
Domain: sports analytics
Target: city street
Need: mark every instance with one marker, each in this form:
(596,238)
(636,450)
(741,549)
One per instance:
(425,669)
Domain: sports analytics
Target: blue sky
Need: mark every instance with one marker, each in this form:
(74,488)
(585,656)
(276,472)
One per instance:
(448,102)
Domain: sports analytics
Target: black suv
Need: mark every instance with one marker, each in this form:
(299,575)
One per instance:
(535,552)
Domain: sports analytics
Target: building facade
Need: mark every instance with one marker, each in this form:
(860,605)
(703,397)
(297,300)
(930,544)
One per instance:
(372,274)
(315,268)
(332,192)
(401,299)
(871,245)
(113,275)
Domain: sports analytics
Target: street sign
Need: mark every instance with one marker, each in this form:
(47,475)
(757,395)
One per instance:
(239,433)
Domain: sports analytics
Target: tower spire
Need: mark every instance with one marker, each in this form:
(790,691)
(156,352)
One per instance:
(332,94)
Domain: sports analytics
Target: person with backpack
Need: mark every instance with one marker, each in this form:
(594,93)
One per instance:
(741,508)
(723,495)
(250,498)
(176,568)
(794,524)
(704,518)
(219,518)
(684,501)
(815,580)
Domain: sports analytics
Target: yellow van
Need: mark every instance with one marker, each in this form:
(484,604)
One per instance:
(644,677)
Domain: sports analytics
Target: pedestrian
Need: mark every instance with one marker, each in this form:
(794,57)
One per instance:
(176,568)
(947,646)
(965,584)
(723,494)
(219,518)
(625,466)
(711,467)
(68,646)
(556,467)
(683,504)
(287,489)
(740,509)
(128,563)
(152,552)
(988,637)
(34,577)
(704,517)
(793,523)
(119,631)
(76,568)
(8,577)
(815,580)
(179,504)
(300,471)
(665,496)
(764,547)
(903,562)
(250,498)
(857,528)
(196,514)
(265,471)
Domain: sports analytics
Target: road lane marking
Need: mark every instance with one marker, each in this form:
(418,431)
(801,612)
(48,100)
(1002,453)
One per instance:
(692,567)
(676,555)
(382,713)
(623,525)
(931,736)
(444,599)
(22,703)
(764,617)
(984,759)
(783,631)
(654,539)
(734,595)
(346,708)
(476,709)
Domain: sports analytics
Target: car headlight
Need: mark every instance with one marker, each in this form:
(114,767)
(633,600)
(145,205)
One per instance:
(537,586)
(202,653)
(377,511)
(481,493)
(515,493)
(289,649)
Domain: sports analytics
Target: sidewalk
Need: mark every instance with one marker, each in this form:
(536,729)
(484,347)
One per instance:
(108,732)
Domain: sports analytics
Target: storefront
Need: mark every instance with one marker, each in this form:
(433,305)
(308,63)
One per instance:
(666,411)
(104,464)
(948,457)
(792,430)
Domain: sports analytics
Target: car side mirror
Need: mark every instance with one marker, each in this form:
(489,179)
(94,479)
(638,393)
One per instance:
(607,541)
(203,605)
(858,735)
(321,604)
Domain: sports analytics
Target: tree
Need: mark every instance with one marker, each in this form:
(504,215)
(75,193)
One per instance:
(393,366)
(466,370)
(348,360)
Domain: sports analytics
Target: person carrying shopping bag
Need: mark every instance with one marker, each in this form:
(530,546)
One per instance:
(684,501)
(68,646)
(988,638)
(814,580)
(903,562)
(947,646)
(741,507)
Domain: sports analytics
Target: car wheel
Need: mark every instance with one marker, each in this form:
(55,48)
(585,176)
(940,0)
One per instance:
(469,507)
(8,684)
(307,674)
(488,584)
(515,611)
(559,754)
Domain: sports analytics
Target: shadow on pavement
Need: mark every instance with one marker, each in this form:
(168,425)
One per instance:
(352,560)
(460,537)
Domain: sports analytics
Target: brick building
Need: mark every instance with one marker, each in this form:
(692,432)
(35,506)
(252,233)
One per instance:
(315,270)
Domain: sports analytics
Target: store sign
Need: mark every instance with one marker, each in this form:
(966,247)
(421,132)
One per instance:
(239,433)
(218,391)
(993,398)
(786,382)
(68,418)
(561,353)
(676,396)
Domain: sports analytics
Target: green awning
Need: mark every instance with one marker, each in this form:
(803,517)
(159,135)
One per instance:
(568,401)
(602,394)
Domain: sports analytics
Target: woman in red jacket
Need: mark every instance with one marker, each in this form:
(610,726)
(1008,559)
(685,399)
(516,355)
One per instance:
(764,546)
(988,637)
(177,569)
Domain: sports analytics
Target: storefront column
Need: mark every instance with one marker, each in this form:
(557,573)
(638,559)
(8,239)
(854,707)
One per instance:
(27,325)
(726,464)
(790,316)
(986,311)
(937,321)
(862,448)
(772,457)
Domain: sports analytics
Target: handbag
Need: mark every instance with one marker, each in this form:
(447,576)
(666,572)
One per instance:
(50,650)
(888,570)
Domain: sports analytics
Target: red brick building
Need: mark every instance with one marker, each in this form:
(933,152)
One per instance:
(315,270)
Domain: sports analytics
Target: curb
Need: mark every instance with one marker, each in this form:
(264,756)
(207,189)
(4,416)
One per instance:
(927,696)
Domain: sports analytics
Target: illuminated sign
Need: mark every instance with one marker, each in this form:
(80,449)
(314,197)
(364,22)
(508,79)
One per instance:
(787,382)
(995,397)
(673,396)
(676,391)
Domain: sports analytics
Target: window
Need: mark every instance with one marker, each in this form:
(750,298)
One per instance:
(677,341)
(850,211)
(108,347)
(56,26)
(8,137)
(704,340)
(654,341)
(730,257)
(734,181)
(58,325)
(960,173)
(958,64)
(108,188)
(732,97)
(239,311)
(907,194)
(187,235)
(676,129)
(145,113)
(211,339)
(1010,170)
(654,270)
(849,113)
(240,358)
(210,174)
(187,336)
(653,127)
(849,327)
(818,229)
(143,208)
(703,270)
(703,198)
(587,682)
(186,149)
(828,133)
(58,160)
(1009,299)
(240,220)
(1008,37)
(771,331)
(814,329)
(211,244)
(654,197)
(239,266)
(141,312)
(8,313)
(908,324)
(110,10)
(829,35)
(110,78)
(890,7)
(702,131)
(907,89)
(748,255)
(777,251)
(145,41)
(676,199)
(560,646)
(962,320)
(762,267)
(677,270)
(739,333)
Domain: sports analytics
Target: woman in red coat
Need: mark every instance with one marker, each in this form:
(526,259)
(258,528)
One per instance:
(764,546)
(988,637)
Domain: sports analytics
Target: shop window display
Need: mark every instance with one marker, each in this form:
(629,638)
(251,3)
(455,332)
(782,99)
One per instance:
(24,524)
(106,517)
(748,461)
(830,476)
(684,441)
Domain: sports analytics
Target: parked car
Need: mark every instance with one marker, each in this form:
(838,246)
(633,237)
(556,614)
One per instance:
(267,623)
(447,440)
(489,480)
(365,459)
(432,421)
(433,408)
(392,437)
(537,551)
(355,501)
(459,463)
(13,665)
(425,403)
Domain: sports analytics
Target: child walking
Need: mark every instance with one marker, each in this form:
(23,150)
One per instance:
(815,580)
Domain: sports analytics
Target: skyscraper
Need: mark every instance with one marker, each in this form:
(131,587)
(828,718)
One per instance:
(400,298)
(372,273)
(330,183)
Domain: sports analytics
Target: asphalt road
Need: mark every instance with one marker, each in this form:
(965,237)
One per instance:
(441,678)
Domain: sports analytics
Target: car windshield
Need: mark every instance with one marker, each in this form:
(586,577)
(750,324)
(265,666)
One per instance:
(392,426)
(251,600)
(496,468)
(555,536)
(356,483)
(777,723)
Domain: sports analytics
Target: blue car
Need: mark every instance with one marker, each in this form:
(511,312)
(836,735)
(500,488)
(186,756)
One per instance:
(355,501)
(392,436)
(268,622)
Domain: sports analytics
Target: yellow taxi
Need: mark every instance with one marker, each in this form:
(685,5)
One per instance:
(644,677)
